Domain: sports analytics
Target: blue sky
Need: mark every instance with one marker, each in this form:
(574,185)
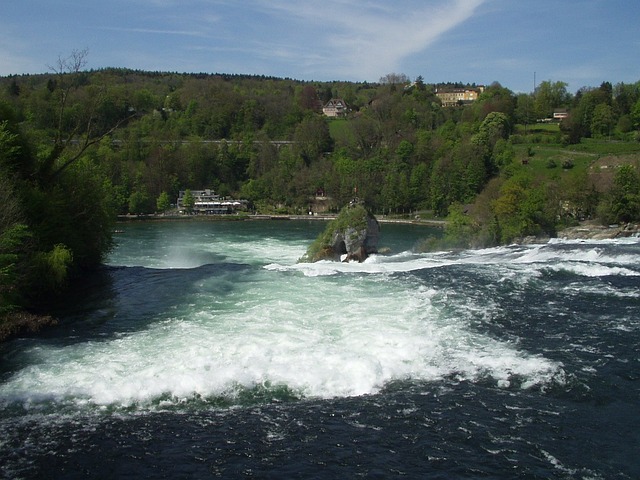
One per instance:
(581,42)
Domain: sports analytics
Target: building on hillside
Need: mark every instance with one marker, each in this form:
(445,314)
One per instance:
(453,97)
(207,202)
(336,107)
(560,114)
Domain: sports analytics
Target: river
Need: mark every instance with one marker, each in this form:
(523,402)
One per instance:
(204,350)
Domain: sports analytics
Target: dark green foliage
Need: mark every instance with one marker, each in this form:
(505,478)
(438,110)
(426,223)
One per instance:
(77,212)
(213,131)
(78,147)
(12,251)
(163,203)
(312,139)
(58,209)
(459,229)
(139,203)
(188,201)
(550,96)
(622,204)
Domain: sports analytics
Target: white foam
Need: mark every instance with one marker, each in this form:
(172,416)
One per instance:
(375,264)
(592,269)
(633,240)
(325,329)
(318,340)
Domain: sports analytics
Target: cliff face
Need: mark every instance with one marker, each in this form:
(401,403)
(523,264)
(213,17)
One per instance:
(357,243)
(353,235)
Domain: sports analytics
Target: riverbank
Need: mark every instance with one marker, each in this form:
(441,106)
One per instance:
(595,231)
(241,217)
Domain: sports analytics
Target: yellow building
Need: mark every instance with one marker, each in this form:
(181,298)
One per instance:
(451,97)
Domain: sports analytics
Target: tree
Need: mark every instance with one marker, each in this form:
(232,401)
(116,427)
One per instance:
(580,120)
(138,202)
(309,99)
(188,201)
(404,150)
(419,184)
(581,196)
(163,203)
(394,79)
(13,236)
(625,124)
(12,251)
(77,212)
(625,96)
(494,127)
(76,117)
(603,119)
(65,224)
(495,98)
(522,208)
(365,135)
(549,96)
(503,152)
(525,112)
(312,138)
(624,197)
(635,115)
(459,229)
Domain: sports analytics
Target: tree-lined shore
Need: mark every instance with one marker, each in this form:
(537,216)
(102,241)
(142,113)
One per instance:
(78,148)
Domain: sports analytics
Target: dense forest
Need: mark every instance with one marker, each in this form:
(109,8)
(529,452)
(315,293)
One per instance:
(79,147)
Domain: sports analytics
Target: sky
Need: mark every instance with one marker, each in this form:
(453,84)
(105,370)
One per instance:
(518,43)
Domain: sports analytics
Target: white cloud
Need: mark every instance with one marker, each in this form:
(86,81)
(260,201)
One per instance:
(370,39)
(156,31)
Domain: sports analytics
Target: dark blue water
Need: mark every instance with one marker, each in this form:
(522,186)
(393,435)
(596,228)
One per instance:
(215,359)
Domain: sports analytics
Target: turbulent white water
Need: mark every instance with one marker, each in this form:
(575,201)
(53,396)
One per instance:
(318,330)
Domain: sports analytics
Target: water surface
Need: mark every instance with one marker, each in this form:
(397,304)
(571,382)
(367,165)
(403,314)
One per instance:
(204,349)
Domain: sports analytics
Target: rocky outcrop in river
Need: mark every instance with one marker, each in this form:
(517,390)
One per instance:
(351,236)
(590,230)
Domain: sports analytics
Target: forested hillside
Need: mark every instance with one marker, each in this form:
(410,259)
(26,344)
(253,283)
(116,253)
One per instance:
(79,147)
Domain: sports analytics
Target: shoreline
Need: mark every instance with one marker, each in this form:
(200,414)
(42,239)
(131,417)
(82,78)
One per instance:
(262,217)
(587,230)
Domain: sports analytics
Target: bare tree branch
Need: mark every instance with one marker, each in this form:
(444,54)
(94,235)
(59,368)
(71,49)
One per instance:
(88,142)
(67,69)
(74,63)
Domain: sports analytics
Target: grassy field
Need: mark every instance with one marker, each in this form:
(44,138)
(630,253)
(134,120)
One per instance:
(549,159)
(537,128)
(338,130)
(605,147)
(596,157)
